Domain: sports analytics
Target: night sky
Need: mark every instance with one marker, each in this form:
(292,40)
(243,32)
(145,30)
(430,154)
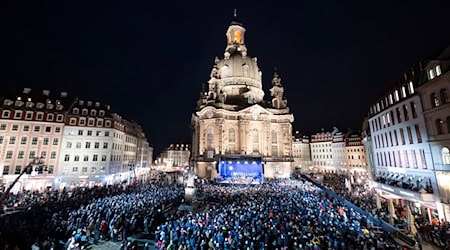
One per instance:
(148,60)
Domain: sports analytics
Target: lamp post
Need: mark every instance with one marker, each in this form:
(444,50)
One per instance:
(36,161)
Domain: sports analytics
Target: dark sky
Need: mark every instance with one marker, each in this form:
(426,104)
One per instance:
(148,60)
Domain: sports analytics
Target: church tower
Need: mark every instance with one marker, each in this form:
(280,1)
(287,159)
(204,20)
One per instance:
(238,135)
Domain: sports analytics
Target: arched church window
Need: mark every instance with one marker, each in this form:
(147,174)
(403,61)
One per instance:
(231,140)
(274,143)
(250,99)
(224,71)
(232,135)
(275,103)
(448,124)
(255,140)
(237,36)
(439,127)
(210,138)
(445,155)
(434,100)
(444,96)
(245,69)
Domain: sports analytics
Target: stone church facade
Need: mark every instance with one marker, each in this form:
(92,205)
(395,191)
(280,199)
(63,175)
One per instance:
(233,121)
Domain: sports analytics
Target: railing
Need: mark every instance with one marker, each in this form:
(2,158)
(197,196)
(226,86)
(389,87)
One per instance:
(377,222)
(406,193)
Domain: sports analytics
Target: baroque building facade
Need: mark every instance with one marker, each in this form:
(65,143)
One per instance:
(78,143)
(301,152)
(233,122)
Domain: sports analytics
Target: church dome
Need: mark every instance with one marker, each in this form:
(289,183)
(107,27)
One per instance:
(237,67)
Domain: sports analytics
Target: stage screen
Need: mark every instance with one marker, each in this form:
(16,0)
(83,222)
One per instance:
(240,172)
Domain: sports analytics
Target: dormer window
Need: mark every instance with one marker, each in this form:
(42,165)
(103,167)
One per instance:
(19,103)
(73,121)
(101,113)
(93,112)
(76,111)
(50,106)
(59,107)
(411,87)
(50,117)
(438,70)
(40,105)
(82,121)
(84,112)
(431,74)
(29,104)
(8,102)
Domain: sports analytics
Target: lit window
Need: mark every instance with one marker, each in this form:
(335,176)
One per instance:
(434,100)
(438,70)
(397,98)
(439,127)
(411,87)
(445,155)
(430,74)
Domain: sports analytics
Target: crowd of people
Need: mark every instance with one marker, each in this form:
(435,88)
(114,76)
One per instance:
(289,214)
(279,214)
(86,215)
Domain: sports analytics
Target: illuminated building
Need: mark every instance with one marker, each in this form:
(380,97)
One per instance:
(31,126)
(434,92)
(355,154)
(301,153)
(233,124)
(178,155)
(81,143)
(409,139)
(327,151)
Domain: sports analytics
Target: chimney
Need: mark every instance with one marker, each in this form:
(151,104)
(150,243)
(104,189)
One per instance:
(46,92)
(81,102)
(89,103)
(97,104)
(63,94)
(26,90)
